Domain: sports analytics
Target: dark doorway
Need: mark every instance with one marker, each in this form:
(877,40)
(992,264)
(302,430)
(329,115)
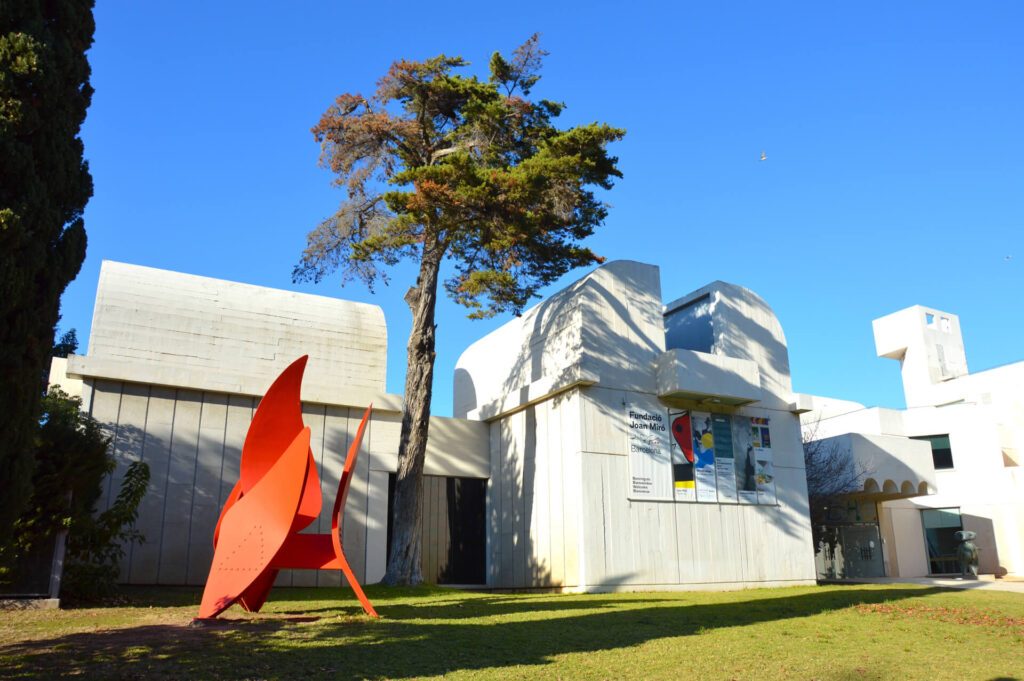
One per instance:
(940,527)
(452,529)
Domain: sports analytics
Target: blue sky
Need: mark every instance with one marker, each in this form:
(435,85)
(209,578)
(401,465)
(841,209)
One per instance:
(892,132)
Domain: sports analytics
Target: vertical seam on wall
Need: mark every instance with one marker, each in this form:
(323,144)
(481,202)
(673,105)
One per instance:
(489,499)
(113,444)
(366,515)
(88,391)
(581,557)
(607,560)
(192,498)
(506,466)
(524,513)
(223,450)
(553,454)
(142,457)
(167,480)
(322,415)
(366,503)
(561,491)
(675,529)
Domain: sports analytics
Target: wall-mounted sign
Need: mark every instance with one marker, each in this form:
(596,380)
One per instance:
(683,460)
(704,453)
(699,456)
(725,467)
(745,463)
(650,464)
(764,471)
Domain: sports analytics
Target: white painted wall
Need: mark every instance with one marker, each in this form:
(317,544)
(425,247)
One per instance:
(983,414)
(742,326)
(605,328)
(929,346)
(890,465)
(546,394)
(176,365)
(554,386)
(167,328)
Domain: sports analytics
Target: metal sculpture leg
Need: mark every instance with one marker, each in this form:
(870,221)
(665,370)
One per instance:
(339,510)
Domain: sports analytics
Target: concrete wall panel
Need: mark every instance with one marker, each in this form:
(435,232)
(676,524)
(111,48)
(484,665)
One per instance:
(206,491)
(215,333)
(156,452)
(106,408)
(178,490)
(336,439)
(376,543)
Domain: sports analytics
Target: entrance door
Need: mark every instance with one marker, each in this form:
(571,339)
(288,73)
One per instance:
(862,551)
(940,526)
(452,530)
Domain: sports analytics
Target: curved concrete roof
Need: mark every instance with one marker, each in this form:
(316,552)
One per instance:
(732,321)
(605,328)
(156,326)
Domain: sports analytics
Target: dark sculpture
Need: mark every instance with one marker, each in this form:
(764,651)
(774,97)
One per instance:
(967,553)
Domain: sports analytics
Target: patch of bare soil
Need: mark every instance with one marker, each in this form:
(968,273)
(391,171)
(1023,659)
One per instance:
(969,616)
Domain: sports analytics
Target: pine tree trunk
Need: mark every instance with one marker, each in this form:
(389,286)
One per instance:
(404,562)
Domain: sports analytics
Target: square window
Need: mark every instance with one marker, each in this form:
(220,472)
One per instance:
(942,453)
(945,324)
(929,319)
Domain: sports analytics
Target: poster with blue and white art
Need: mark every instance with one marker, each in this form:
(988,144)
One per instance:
(725,471)
(764,472)
(704,456)
(745,460)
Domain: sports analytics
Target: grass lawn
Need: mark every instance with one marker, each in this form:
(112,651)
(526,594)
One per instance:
(833,632)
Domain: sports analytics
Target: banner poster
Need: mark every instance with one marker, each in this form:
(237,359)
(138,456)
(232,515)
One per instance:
(650,466)
(683,464)
(725,471)
(764,474)
(704,455)
(745,460)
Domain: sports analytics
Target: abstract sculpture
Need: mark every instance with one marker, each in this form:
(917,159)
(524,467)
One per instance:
(277,495)
(967,553)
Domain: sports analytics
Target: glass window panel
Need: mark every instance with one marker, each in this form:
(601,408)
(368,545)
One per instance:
(940,527)
(942,453)
(941,517)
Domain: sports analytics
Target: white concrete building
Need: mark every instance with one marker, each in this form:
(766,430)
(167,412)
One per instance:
(174,368)
(969,428)
(581,494)
(601,441)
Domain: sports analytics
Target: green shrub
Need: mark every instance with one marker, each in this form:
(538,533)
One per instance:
(98,543)
(71,462)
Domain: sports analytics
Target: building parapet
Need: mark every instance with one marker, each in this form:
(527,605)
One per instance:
(704,377)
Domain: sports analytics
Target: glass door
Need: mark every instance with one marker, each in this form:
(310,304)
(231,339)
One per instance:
(940,524)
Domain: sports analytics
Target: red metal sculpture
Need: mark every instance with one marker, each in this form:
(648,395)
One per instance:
(277,495)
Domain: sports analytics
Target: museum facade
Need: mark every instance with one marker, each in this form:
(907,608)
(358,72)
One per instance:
(601,441)
(604,440)
(961,434)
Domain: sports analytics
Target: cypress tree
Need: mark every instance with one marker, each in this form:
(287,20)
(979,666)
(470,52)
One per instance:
(44,186)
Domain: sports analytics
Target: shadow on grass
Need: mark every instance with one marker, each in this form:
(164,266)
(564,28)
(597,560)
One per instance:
(431,636)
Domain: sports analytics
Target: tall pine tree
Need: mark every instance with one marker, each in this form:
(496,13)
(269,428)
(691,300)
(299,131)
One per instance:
(44,186)
(441,167)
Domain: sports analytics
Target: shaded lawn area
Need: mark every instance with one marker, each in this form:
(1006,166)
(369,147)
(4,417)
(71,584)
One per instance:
(832,632)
